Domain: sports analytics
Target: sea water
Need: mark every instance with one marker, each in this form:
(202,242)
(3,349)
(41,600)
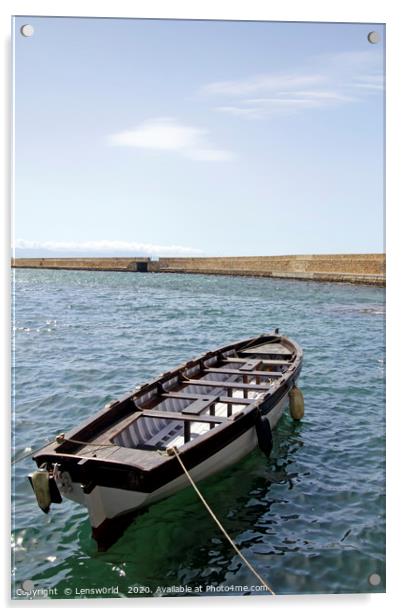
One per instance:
(310,519)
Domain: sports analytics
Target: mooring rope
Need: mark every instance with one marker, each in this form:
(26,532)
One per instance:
(170,451)
(173,451)
(31,453)
(60,438)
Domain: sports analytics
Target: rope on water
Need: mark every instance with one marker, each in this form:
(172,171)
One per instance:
(173,451)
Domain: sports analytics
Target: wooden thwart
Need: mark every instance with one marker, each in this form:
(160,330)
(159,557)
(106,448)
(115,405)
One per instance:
(244,372)
(185,417)
(268,348)
(223,399)
(250,365)
(198,406)
(229,384)
(266,362)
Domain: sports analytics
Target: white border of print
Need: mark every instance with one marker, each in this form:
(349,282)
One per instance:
(387,12)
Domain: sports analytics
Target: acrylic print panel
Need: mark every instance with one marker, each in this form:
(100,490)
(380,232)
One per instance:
(151,156)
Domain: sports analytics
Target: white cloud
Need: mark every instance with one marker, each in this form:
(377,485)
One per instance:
(106,247)
(331,80)
(262,83)
(372,82)
(166,134)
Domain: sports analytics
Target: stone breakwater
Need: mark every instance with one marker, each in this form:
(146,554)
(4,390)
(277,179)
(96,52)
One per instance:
(353,268)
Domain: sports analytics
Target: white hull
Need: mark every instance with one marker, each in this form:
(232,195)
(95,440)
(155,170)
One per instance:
(105,503)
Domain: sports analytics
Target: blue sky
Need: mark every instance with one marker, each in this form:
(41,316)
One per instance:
(161,137)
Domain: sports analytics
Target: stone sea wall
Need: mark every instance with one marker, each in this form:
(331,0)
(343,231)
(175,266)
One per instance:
(357,268)
(87,263)
(354,268)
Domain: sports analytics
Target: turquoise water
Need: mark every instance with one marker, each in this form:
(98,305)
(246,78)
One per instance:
(310,519)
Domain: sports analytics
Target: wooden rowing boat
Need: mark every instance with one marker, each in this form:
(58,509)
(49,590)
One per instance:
(214,410)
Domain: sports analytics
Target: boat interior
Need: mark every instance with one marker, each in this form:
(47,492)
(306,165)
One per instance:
(184,404)
(201,395)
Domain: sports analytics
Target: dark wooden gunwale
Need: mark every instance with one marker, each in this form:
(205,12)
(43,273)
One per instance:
(150,470)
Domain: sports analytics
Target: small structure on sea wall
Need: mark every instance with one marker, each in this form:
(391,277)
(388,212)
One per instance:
(354,268)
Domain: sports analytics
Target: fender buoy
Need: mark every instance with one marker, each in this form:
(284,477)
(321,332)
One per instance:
(40,484)
(296,403)
(264,434)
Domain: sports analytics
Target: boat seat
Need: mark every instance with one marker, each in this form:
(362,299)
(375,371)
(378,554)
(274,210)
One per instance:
(198,406)
(268,348)
(243,372)
(264,362)
(224,399)
(212,419)
(251,364)
(230,384)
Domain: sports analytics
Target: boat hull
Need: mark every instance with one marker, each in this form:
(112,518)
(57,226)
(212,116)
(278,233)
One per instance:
(111,510)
